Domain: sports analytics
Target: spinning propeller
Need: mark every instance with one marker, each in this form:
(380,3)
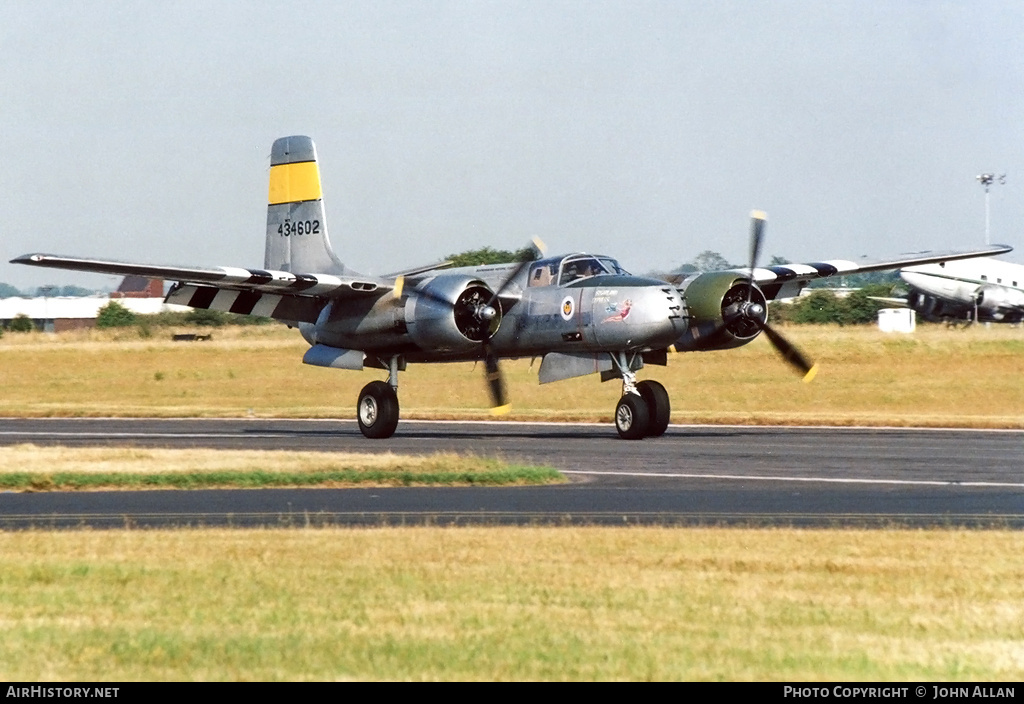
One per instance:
(752,314)
(480,319)
(492,370)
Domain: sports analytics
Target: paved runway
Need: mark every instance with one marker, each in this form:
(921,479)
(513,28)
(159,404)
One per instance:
(692,475)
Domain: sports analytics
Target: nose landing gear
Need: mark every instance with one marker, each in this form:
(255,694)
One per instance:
(644,409)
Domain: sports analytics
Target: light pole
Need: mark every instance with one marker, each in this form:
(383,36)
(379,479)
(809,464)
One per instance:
(46,290)
(987,180)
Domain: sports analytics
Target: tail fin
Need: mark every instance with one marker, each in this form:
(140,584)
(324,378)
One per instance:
(296,226)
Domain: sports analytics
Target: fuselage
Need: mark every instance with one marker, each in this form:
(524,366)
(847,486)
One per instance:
(556,304)
(957,288)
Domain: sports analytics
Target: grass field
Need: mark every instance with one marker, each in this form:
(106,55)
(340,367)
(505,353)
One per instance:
(935,377)
(31,468)
(511,604)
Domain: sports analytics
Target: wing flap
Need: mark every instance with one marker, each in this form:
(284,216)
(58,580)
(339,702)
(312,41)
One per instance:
(301,309)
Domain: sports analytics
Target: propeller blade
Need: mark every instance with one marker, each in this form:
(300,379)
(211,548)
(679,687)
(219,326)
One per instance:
(757,222)
(399,285)
(790,353)
(495,382)
(530,254)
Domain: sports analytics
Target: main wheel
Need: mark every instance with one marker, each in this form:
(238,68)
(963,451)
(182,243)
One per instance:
(658,407)
(631,417)
(377,410)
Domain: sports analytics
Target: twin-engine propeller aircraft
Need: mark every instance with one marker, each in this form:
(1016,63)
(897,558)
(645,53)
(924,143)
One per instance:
(979,290)
(580,313)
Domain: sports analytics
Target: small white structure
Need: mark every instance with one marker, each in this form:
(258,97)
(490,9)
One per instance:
(897,320)
(62,313)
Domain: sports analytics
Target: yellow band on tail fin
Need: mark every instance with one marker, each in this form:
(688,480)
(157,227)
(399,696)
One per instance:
(294,183)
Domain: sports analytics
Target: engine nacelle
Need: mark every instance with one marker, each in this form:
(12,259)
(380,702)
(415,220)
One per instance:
(928,307)
(450,313)
(994,299)
(720,316)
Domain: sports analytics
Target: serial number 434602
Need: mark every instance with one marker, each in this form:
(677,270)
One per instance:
(299,227)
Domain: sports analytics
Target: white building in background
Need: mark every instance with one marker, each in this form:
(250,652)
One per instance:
(897,320)
(59,313)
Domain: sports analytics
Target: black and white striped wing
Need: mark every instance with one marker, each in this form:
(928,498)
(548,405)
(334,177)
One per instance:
(786,281)
(274,294)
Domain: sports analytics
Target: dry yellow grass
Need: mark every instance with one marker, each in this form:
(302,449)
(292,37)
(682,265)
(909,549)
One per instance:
(513,603)
(935,377)
(32,468)
(140,460)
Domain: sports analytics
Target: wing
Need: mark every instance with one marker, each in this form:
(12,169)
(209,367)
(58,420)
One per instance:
(788,280)
(274,294)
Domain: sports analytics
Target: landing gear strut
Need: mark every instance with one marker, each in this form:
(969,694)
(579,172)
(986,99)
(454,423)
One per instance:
(377,409)
(644,409)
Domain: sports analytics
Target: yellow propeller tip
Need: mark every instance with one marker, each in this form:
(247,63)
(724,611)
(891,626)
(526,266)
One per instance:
(809,376)
(399,285)
(501,410)
(758,215)
(539,244)
(671,349)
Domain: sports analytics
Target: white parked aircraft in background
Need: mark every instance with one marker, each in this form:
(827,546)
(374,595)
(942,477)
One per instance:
(982,289)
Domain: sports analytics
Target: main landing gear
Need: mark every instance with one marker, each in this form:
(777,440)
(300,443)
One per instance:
(644,409)
(377,409)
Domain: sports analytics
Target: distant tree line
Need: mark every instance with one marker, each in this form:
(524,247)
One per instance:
(823,306)
(487,255)
(115,315)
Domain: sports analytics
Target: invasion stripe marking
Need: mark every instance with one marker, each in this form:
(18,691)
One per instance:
(236,273)
(303,282)
(245,302)
(258,276)
(825,269)
(224,299)
(266,306)
(843,265)
(203,297)
(180,295)
(782,273)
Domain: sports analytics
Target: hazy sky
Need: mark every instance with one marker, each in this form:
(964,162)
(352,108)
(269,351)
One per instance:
(141,131)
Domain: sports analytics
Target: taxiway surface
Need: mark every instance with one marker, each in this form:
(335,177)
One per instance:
(692,475)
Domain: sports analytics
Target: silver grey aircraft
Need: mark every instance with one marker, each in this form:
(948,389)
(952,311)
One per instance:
(579,313)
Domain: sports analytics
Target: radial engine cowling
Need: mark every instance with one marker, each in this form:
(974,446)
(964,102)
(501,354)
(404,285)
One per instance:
(994,299)
(928,307)
(721,317)
(450,313)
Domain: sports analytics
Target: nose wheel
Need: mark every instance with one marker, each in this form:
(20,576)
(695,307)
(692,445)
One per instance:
(631,417)
(644,412)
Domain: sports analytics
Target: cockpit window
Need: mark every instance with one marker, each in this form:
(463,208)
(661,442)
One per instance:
(543,273)
(583,266)
(565,270)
